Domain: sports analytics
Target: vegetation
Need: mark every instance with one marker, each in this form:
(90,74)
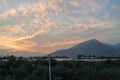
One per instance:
(24,69)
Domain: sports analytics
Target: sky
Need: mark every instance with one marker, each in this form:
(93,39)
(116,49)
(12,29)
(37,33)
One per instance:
(44,26)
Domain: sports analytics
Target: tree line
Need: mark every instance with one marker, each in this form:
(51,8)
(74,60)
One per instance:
(23,69)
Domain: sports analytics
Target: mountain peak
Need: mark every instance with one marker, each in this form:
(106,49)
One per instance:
(90,47)
(90,42)
(93,40)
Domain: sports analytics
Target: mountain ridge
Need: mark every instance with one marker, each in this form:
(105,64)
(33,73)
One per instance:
(89,47)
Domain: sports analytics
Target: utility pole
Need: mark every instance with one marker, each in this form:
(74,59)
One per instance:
(49,58)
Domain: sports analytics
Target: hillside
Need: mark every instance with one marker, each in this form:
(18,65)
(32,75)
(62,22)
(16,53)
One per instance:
(90,47)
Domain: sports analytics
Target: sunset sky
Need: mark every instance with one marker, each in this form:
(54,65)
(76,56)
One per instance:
(44,26)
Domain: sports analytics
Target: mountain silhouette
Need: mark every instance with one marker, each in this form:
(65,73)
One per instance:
(90,47)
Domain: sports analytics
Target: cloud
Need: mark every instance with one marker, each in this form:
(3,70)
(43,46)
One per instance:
(74,3)
(27,9)
(2,3)
(107,15)
(31,35)
(20,43)
(48,25)
(70,41)
(51,46)
(8,14)
(24,46)
(3,28)
(17,45)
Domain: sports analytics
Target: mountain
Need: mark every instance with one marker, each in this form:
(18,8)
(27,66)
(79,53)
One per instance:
(90,47)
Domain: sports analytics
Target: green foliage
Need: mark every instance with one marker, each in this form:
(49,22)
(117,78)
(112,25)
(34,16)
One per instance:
(23,69)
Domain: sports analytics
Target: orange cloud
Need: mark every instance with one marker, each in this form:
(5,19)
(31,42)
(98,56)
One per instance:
(74,3)
(53,16)
(3,28)
(63,42)
(31,35)
(25,46)
(21,43)
(17,46)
